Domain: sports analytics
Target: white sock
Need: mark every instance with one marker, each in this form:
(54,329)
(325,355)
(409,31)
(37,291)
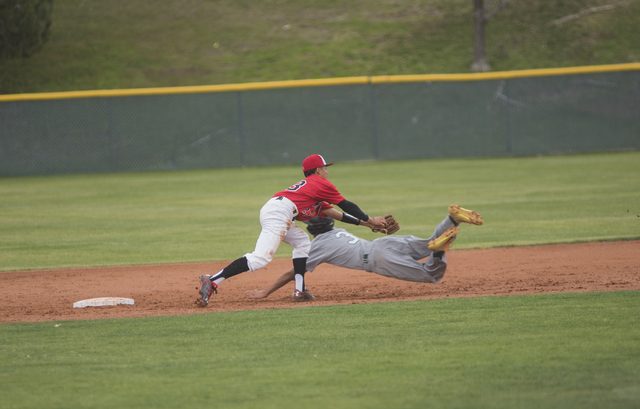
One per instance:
(299,282)
(218,280)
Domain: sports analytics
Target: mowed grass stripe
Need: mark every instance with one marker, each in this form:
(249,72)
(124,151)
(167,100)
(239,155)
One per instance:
(532,351)
(212,214)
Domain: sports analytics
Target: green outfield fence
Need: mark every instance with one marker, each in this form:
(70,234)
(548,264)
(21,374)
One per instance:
(529,112)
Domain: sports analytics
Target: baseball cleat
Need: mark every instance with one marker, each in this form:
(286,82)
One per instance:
(207,288)
(443,242)
(302,296)
(461,215)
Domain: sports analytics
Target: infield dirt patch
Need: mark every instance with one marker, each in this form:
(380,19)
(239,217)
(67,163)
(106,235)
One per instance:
(48,295)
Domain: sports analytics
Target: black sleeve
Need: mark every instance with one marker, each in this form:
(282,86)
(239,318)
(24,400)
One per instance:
(353,210)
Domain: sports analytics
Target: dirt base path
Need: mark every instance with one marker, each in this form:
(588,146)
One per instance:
(48,295)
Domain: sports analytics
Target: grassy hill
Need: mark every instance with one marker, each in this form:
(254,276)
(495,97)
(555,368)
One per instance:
(146,43)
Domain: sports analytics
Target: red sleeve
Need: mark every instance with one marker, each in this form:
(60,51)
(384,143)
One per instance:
(324,206)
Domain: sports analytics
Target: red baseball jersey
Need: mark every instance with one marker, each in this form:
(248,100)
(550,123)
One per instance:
(310,194)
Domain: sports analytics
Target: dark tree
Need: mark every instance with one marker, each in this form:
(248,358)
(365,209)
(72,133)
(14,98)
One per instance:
(481,16)
(24,27)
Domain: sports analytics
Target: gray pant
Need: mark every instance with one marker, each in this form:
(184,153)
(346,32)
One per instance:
(397,257)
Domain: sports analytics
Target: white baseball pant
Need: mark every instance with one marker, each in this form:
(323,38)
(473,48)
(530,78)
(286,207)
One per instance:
(277,221)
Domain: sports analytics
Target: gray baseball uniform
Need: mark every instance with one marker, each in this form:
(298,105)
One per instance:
(390,256)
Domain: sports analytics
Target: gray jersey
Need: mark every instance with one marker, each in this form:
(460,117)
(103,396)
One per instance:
(340,248)
(390,256)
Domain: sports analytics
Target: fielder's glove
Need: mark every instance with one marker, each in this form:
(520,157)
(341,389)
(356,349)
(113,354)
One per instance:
(391,227)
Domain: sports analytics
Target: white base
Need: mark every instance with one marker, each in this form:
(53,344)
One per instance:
(101,302)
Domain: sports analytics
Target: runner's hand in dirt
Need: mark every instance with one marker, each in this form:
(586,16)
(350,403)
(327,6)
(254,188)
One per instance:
(257,294)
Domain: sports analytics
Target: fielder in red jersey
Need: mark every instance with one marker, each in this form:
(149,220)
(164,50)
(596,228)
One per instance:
(310,194)
(303,201)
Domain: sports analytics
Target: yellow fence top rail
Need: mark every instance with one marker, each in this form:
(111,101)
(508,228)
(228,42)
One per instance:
(545,72)
(381,79)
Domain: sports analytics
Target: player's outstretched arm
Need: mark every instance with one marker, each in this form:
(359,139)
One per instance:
(354,210)
(280,282)
(334,214)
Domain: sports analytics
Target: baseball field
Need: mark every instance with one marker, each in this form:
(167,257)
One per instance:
(538,308)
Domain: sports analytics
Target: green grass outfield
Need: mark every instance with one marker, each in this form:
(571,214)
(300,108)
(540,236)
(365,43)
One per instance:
(535,351)
(206,215)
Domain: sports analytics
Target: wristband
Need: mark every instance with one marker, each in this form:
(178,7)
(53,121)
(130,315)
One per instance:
(347,218)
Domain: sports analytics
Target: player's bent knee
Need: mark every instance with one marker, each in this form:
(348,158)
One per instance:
(256,261)
(301,252)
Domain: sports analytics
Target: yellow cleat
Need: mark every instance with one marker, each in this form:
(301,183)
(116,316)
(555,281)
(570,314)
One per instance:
(443,242)
(461,215)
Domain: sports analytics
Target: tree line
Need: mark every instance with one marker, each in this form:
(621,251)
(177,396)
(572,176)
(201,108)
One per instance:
(25,26)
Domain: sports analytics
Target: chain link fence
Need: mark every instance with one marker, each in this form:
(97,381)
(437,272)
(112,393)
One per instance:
(371,119)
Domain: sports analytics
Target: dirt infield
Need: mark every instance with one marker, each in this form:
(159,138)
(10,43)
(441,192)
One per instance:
(48,295)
